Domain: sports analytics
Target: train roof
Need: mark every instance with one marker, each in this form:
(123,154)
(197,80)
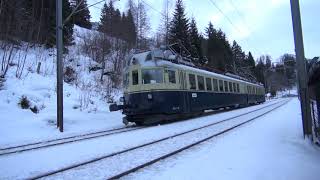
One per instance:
(152,59)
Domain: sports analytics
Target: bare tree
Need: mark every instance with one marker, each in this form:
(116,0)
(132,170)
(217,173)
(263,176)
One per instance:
(143,26)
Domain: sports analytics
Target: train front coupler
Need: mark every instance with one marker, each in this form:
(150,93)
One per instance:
(117,107)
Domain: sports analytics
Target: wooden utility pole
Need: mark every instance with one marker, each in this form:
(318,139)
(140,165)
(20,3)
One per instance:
(59,44)
(301,66)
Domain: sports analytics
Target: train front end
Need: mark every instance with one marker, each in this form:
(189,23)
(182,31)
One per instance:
(150,91)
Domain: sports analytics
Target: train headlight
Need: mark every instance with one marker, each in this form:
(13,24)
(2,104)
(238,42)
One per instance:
(149,96)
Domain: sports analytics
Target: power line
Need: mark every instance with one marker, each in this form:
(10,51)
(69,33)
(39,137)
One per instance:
(239,13)
(228,19)
(153,8)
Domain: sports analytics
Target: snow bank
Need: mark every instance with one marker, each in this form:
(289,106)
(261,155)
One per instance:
(271,147)
(85,99)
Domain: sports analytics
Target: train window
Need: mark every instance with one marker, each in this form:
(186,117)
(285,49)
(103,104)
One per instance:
(238,88)
(230,86)
(209,84)
(234,87)
(126,80)
(135,77)
(149,57)
(221,85)
(152,76)
(192,81)
(226,88)
(215,85)
(172,76)
(200,82)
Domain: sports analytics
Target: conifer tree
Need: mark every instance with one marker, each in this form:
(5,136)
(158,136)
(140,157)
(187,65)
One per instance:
(107,14)
(81,18)
(238,55)
(215,50)
(130,29)
(250,62)
(195,40)
(179,27)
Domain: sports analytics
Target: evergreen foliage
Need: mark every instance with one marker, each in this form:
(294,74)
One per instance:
(81,18)
(24,102)
(195,40)
(33,21)
(179,28)
(113,24)
(218,50)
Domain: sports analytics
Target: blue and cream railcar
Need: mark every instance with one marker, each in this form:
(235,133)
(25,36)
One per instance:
(157,90)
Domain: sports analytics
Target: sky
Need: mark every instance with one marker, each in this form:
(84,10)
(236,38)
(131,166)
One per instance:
(260,26)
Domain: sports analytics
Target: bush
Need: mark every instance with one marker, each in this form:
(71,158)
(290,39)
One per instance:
(35,109)
(1,83)
(24,102)
(69,75)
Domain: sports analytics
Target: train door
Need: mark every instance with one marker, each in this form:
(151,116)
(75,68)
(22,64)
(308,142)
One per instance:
(183,87)
(182,80)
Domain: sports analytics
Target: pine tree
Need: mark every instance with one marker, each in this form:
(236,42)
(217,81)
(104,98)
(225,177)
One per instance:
(211,33)
(47,25)
(130,29)
(179,27)
(116,24)
(251,63)
(260,71)
(107,14)
(34,21)
(68,26)
(238,55)
(81,18)
(195,40)
(217,48)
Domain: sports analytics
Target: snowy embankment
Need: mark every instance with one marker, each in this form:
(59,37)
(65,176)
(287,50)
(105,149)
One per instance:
(85,98)
(272,147)
(41,160)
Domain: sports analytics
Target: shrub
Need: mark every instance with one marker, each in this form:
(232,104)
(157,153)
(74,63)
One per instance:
(1,83)
(69,75)
(35,109)
(24,102)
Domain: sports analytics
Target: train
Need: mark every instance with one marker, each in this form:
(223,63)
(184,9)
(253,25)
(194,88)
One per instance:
(160,85)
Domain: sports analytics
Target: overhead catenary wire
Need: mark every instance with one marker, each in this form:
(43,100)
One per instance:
(230,21)
(239,13)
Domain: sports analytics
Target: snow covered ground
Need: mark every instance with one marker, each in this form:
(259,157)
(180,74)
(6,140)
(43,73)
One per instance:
(271,147)
(41,160)
(85,105)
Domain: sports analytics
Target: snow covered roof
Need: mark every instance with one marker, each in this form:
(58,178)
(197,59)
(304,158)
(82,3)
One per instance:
(153,58)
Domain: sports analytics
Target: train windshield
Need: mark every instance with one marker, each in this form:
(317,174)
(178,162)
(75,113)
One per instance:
(152,76)
(126,80)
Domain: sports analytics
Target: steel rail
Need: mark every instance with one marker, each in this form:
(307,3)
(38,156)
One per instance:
(188,146)
(150,143)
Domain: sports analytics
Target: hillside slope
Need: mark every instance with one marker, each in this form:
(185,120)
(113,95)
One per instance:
(85,97)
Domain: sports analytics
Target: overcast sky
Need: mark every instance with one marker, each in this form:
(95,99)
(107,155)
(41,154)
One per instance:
(261,26)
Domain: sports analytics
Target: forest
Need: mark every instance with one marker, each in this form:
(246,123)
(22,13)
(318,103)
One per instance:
(26,24)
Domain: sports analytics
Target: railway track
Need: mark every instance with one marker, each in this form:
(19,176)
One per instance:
(65,140)
(117,155)
(82,137)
